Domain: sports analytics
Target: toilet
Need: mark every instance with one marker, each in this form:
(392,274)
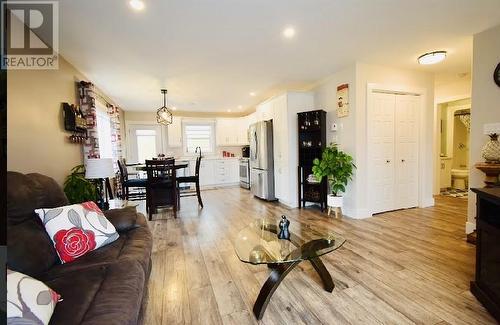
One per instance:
(459,178)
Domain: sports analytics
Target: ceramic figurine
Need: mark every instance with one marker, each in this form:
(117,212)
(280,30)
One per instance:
(283,225)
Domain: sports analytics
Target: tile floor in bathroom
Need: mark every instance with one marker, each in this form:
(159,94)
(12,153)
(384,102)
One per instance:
(454,192)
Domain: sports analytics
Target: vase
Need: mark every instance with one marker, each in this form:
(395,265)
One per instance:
(491,150)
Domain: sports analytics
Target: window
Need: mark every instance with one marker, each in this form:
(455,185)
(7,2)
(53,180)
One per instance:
(146,144)
(104,131)
(198,135)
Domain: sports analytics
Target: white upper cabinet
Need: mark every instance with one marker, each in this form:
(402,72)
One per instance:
(231,131)
(174,132)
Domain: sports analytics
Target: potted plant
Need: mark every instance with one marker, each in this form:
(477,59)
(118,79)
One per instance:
(338,167)
(78,189)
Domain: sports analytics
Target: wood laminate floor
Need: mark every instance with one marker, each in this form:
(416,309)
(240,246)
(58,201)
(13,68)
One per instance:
(403,267)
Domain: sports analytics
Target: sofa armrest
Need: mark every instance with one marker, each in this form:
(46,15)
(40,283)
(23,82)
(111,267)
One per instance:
(122,219)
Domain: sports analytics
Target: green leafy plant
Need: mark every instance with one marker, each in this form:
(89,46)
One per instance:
(336,166)
(78,189)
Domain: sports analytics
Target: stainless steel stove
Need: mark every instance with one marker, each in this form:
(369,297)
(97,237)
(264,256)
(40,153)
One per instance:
(244,173)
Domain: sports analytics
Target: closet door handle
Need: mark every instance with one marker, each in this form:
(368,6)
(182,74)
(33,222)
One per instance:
(402,160)
(387,161)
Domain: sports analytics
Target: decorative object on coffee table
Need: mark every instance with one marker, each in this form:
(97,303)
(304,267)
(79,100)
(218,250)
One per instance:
(284,231)
(258,243)
(100,170)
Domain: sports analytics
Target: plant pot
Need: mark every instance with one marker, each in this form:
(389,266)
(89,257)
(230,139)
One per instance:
(335,201)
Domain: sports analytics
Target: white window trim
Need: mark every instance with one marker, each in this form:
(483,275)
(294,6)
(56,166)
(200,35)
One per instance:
(198,122)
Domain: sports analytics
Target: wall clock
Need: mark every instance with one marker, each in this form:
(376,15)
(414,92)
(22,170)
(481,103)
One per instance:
(496,75)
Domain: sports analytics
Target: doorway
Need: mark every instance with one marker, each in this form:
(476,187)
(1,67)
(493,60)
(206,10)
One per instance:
(145,141)
(454,148)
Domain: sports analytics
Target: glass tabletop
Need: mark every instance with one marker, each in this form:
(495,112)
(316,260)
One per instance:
(258,243)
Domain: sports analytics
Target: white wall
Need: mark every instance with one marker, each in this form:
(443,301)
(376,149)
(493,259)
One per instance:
(325,97)
(485,109)
(351,135)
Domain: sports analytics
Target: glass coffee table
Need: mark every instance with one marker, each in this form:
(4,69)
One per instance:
(258,243)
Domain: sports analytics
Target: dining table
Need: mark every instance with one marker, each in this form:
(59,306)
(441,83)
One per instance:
(181,164)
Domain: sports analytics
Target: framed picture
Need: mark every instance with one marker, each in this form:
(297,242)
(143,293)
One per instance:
(343,100)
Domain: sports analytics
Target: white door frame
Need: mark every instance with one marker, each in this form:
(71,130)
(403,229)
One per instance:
(423,201)
(437,138)
(130,124)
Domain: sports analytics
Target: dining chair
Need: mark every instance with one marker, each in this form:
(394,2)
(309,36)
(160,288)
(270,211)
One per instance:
(161,189)
(191,179)
(131,183)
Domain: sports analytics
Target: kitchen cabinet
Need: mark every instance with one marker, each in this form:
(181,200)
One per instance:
(174,132)
(231,131)
(217,172)
(226,171)
(207,174)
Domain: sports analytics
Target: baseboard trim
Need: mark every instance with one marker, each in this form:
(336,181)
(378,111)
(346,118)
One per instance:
(356,213)
(427,202)
(469,227)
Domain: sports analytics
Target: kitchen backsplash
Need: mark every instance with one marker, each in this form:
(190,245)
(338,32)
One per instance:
(236,150)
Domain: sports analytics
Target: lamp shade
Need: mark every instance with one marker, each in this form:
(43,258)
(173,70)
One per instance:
(99,168)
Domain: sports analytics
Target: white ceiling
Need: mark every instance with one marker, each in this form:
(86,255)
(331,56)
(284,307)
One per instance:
(211,53)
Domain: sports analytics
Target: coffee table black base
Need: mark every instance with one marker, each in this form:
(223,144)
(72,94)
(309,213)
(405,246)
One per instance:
(279,272)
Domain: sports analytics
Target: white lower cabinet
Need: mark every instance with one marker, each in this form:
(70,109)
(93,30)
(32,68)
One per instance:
(217,172)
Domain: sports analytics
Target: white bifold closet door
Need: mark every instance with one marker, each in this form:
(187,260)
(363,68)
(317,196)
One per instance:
(393,151)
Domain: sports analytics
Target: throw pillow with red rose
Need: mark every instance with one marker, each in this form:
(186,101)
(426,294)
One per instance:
(77,229)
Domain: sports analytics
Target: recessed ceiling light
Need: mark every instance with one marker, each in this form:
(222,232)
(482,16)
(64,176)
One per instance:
(252,94)
(136,4)
(289,32)
(229,111)
(240,106)
(432,57)
(174,108)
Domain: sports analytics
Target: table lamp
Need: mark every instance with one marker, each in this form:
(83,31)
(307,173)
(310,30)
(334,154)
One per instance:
(100,170)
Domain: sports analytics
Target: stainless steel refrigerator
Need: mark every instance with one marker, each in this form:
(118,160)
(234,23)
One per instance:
(261,160)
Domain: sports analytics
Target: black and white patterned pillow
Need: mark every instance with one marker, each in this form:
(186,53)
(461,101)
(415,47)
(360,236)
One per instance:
(29,301)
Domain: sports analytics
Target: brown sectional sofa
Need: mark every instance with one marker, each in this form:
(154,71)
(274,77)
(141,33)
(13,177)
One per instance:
(105,286)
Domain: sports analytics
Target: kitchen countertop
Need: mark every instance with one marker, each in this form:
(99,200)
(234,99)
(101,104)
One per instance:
(207,158)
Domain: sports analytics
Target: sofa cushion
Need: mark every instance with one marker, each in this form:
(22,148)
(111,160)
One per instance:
(25,193)
(29,301)
(123,219)
(133,245)
(30,248)
(109,294)
(77,229)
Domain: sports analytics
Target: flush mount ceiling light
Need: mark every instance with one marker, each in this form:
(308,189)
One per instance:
(289,32)
(432,57)
(252,94)
(240,106)
(136,4)
(164,114)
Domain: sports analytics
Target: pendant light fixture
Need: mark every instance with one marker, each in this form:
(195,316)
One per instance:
(164,114)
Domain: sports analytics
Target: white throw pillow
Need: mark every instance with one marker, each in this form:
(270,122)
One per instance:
(29,301)
(77,229)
